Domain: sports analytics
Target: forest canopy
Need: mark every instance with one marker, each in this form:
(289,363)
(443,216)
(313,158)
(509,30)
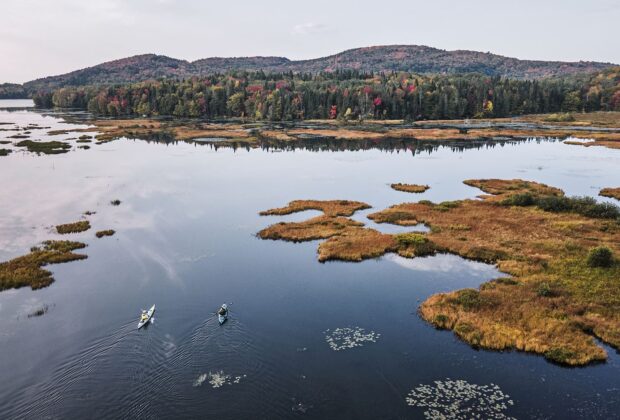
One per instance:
(343,94)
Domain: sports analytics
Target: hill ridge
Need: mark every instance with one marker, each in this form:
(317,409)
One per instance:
(407,58)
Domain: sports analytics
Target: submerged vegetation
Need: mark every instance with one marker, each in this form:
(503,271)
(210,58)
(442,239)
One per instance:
(410,188)
(27,270)
(564,287)
(74,227)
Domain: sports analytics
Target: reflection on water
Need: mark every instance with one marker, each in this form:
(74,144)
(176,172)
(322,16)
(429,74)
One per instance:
(186,241)
(16,103)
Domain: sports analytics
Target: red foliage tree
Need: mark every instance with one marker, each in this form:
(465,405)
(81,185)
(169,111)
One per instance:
(333,112)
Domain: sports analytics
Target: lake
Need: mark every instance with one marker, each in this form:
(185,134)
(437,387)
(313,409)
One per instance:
(186,242)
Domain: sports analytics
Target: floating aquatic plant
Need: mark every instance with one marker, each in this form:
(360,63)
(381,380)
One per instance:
(218,379)
(348,338)
(459,399)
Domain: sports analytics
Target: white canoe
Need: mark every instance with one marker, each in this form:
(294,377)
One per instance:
(149,315)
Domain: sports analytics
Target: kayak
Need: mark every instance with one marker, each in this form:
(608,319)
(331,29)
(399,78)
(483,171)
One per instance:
(146,317)
(222,314)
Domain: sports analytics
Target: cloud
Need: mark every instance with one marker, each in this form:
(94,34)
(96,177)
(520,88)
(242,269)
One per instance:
(308,28)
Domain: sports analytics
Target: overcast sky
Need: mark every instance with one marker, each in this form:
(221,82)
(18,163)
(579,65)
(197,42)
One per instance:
(46,37)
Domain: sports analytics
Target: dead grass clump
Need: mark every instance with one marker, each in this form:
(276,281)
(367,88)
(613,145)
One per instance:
(321,227)
(395,216)
(503,187)
(116,202)
(357,244)
(74,227)
(57,132)
(610,192)
(410,188)
(27,270)
(107,232)
(329,207)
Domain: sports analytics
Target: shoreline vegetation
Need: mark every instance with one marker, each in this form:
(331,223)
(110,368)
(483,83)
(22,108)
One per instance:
(591,129)
(601,127)
(560,255)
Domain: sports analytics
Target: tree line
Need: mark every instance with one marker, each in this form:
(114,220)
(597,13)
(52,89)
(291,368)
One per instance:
(343,94)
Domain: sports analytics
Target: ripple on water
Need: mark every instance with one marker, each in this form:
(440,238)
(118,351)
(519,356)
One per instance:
(144,374)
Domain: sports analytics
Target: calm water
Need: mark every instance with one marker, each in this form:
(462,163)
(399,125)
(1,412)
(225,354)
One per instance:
(185,241)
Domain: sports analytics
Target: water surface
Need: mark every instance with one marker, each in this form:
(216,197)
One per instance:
(186,241)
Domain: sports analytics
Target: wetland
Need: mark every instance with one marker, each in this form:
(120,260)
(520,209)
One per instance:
(497,244)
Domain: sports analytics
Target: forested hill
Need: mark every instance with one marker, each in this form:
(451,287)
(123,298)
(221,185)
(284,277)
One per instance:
(346,95)
(407,58)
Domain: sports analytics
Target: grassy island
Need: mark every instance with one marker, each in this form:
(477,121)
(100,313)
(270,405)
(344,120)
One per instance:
(74,227)
(560,255)
(410,188)
(107,232)
(45,147)
(27,270)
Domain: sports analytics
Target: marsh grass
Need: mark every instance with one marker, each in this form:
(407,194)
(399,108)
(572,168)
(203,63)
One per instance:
(556,299)
(328,207)
(585,206)
(5,152)
(410,188)
(107,232)
(560,117)
(611,193)
(74,227)
(45,147)
(27,270)
(415,245)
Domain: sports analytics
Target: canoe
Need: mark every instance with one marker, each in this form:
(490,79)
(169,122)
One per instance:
(149,315)
(221,318)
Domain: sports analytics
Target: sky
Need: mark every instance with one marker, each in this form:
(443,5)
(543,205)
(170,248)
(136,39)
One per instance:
(47,37)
